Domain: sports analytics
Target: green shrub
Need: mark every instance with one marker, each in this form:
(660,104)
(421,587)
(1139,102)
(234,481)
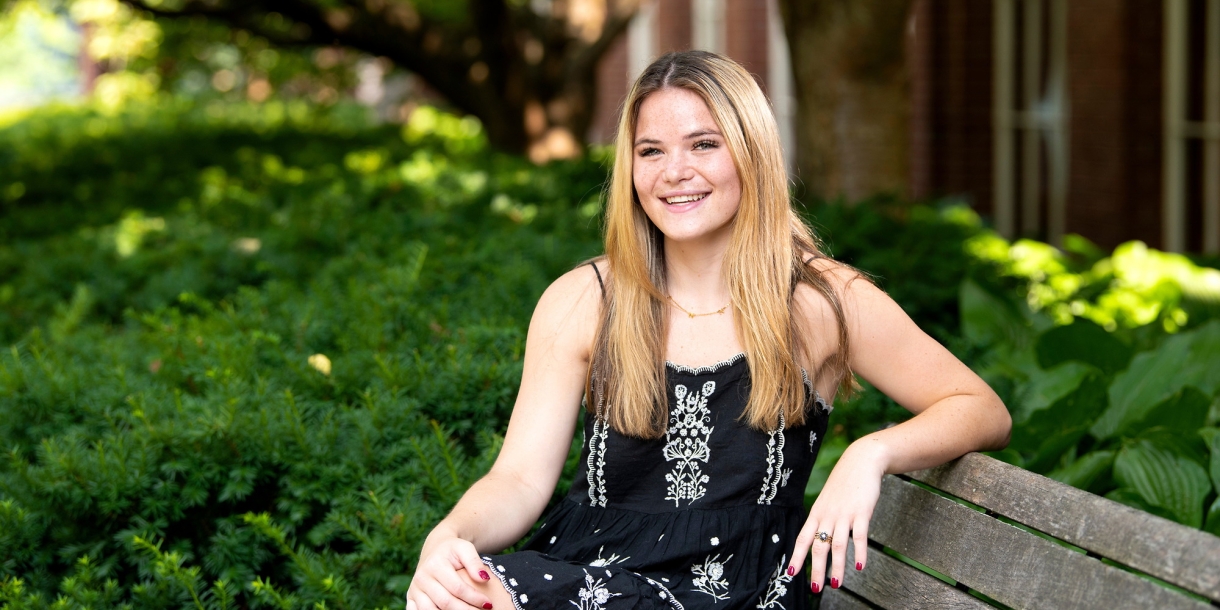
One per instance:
(252,353)
(1111,371)
(265,390)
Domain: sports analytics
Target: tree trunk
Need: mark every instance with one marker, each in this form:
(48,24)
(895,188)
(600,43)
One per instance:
(852,91)
(529,77)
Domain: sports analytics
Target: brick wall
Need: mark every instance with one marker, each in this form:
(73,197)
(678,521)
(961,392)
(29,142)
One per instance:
(611,89)
(746,36)
(673,26)
(1143,117)
(1114,104)
(745,41)
(951,137)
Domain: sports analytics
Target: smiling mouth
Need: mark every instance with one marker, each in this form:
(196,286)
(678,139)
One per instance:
(685,198)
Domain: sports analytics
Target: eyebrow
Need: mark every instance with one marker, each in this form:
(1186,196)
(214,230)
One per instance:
(689,136)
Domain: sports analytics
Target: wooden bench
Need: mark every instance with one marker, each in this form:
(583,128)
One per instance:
(1089,552)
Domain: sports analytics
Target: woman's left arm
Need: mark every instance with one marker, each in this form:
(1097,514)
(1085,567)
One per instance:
(956,412)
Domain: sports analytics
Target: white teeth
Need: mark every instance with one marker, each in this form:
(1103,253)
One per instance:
(685,198)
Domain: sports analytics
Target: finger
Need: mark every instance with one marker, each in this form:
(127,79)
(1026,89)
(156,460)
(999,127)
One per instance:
(838,550)
(418,601)
(859,534)
(463,591)
(817,562)
(803,540)
(467,558)
(438,593)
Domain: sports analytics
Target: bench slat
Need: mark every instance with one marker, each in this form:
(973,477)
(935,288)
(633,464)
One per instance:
(834,599)
(1184,556)
(890,583)
(1003,562)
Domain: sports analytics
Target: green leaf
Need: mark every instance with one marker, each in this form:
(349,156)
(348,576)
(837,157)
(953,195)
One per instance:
(1053,447)
(1083,341)
(1184,411)
(1045,390)
(1190,358)
(1054,410)
(1164,478)
(988,319)
(1082,472)
(1132,498)
(1213,518)
(1006,455)
(1211,436)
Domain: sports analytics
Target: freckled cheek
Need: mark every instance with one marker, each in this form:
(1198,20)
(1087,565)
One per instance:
(643,181)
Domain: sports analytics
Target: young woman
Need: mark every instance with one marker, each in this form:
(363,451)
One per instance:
(704,342)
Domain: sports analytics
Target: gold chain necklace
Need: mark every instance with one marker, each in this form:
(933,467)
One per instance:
(696,315)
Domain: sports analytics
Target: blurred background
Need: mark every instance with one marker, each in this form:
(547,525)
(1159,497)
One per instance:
(266,266)
(1049,117)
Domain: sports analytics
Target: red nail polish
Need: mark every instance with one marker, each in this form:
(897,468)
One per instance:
(487,606)
(834,583)
(791,570)
(815,587)
(484,575)
(859,566)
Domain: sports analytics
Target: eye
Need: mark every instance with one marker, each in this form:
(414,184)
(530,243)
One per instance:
(648,152)
(706,145)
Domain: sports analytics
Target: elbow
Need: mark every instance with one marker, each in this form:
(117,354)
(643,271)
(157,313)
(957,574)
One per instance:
(1002,431)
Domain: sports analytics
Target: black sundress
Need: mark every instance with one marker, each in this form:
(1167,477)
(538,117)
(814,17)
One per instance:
(704,517)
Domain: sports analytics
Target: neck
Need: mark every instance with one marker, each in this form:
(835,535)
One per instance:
(694,273)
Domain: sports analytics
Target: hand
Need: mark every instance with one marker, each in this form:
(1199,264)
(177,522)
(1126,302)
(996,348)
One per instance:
(842,510)
(443,577)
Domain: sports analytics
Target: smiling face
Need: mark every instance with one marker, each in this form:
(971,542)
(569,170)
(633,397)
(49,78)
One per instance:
(683,172)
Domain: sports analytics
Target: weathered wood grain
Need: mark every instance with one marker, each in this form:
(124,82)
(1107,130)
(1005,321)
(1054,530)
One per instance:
(1184,556)
(835,599)
(889,583)
(1011,566)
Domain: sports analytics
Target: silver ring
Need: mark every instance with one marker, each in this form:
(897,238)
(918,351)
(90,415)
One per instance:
(823,537)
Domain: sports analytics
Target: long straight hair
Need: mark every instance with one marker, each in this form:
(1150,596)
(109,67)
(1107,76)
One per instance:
(764,262)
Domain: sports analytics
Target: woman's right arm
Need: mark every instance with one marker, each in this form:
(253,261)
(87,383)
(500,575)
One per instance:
(502,506)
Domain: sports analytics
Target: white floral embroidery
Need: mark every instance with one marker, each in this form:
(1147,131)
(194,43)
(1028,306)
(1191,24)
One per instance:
(778,587)
(602,562)
(813,438)
(775,538)
(596,465)
(775,464)
(710,577)
(715,541)
(504,580)
(686,442)
(525,598)
(663,592)
(594,596)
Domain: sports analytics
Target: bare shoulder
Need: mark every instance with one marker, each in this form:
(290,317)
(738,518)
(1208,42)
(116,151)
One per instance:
(849,286)
(576,288)
(567,313)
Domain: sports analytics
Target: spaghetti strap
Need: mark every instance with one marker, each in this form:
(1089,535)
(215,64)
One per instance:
(812,258)
(599,277)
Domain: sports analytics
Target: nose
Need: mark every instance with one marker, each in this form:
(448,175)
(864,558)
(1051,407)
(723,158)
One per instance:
(677,168)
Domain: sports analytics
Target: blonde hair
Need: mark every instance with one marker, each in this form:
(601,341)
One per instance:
(764,261)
